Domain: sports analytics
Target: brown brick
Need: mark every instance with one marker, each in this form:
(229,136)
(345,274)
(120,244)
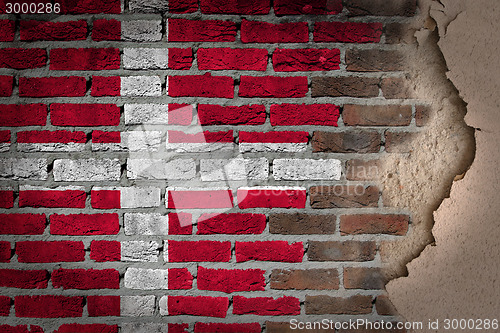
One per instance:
(374,224)
(396,88)
(376,115)
(375,61)
(381,7)
(323,304)
(363,278)
(345,86)
(302,224)
(385,307)
(318,279)
(346,142)
(284,327)
(344,196)
(400,142)
(422,115)
(398,33)
(362,170)
(341,251)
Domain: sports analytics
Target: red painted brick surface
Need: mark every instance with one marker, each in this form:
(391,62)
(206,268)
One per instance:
(6,85)
(48,306)
(181,59)
(263,32)
(230,281)
(84,114)
(22,58)
(45,252)
(302,114)
(181,30)
(22,224)
(52,31)
(91,59)
(198,306)
(201,86)
(266,306)
(198,251)
(228,58)
(24,279)
(72,86)
(52,199)
(231,224)
(300,60)
(269,251)
(273,86)
(106,30)
(102,251)
(23,115)
(84,224)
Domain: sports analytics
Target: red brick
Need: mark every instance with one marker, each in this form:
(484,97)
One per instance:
(377,115)
(345,86)
(72,86)
(52,199)
(181,30)
(301,224)
(22,58)
(343,196)
(228,58)
(20,328)
(180,59)
(381,7)
(198,306)
(384,306)
(105,199)
(200,199)
(5,136)
(106,30)
(271,198)
(266,306)
(90,7)
(231,280)
(44,252)
(281,136)
(177,328)
(5,251)
(7,30)
(317,279)
(106,137)
(315,7)
(105,86)
(5,306)
(302,114)
(13,115)
(103,306)
(373,60)
(374,224)
(91,59)
(180,114)
(6,85)
(201,86)
(269,251)
(24,279)
(6,199)
(179,278)
(22,224)
(354,305)
(232,224)
(293,60)
(180,224)
(198,251)
(85,328)
(363,278)
(347,32)
(102,251)
(341,251)
(84,224)
(227,328)
(51,137)
(51,31)
(84,114)
(182,7)
(201,137)
(273,86)
(231,115)
(86,279)
(235,7)
(48,306)
(263,32)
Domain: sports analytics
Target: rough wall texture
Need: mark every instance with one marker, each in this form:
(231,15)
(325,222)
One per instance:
(463,264)
(216,166)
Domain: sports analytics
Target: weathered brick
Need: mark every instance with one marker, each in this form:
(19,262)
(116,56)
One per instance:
(145,224)
(102,251)
(363,169)
(373,60)
(204,306)
(231,115)
(269,251)
(56,251)
(91,59)
(347,32)
(24,279)
(22,58)
(140,86)
(48,306)
(345,86)
(6,198)
(181,30)
(101,306)
(374,224)
(341,251)
(103,29)
(148,6)
(317,279)
(23,168)
(315,7)
(354,305)
(22,224)
(381,7)
(201,86)
(141,31)
(197,251)
(182,6)
(146,279)
(51,31)
(294,60)
(346,142)
(180,59)
(377,115)
(235,7)
(273,86)
(86,279)
(87,170)
(146,114)
(230,280)
(198,198)
(225,327)
(84,114)
(229,58)
(363,278)
(231,224)
(64,86)
(140,251)
(234,169)
(125,197)
(137,306)
(306,169)
(161,169)
(271,197)
(54,198)
(301,224)
(84,224)
(304,114)
(279,141)
(266,306)
(13,115)
(7,30)
(263,32)
(5,302)
(5,251)
(145,58)
(344,196)
(6,85)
